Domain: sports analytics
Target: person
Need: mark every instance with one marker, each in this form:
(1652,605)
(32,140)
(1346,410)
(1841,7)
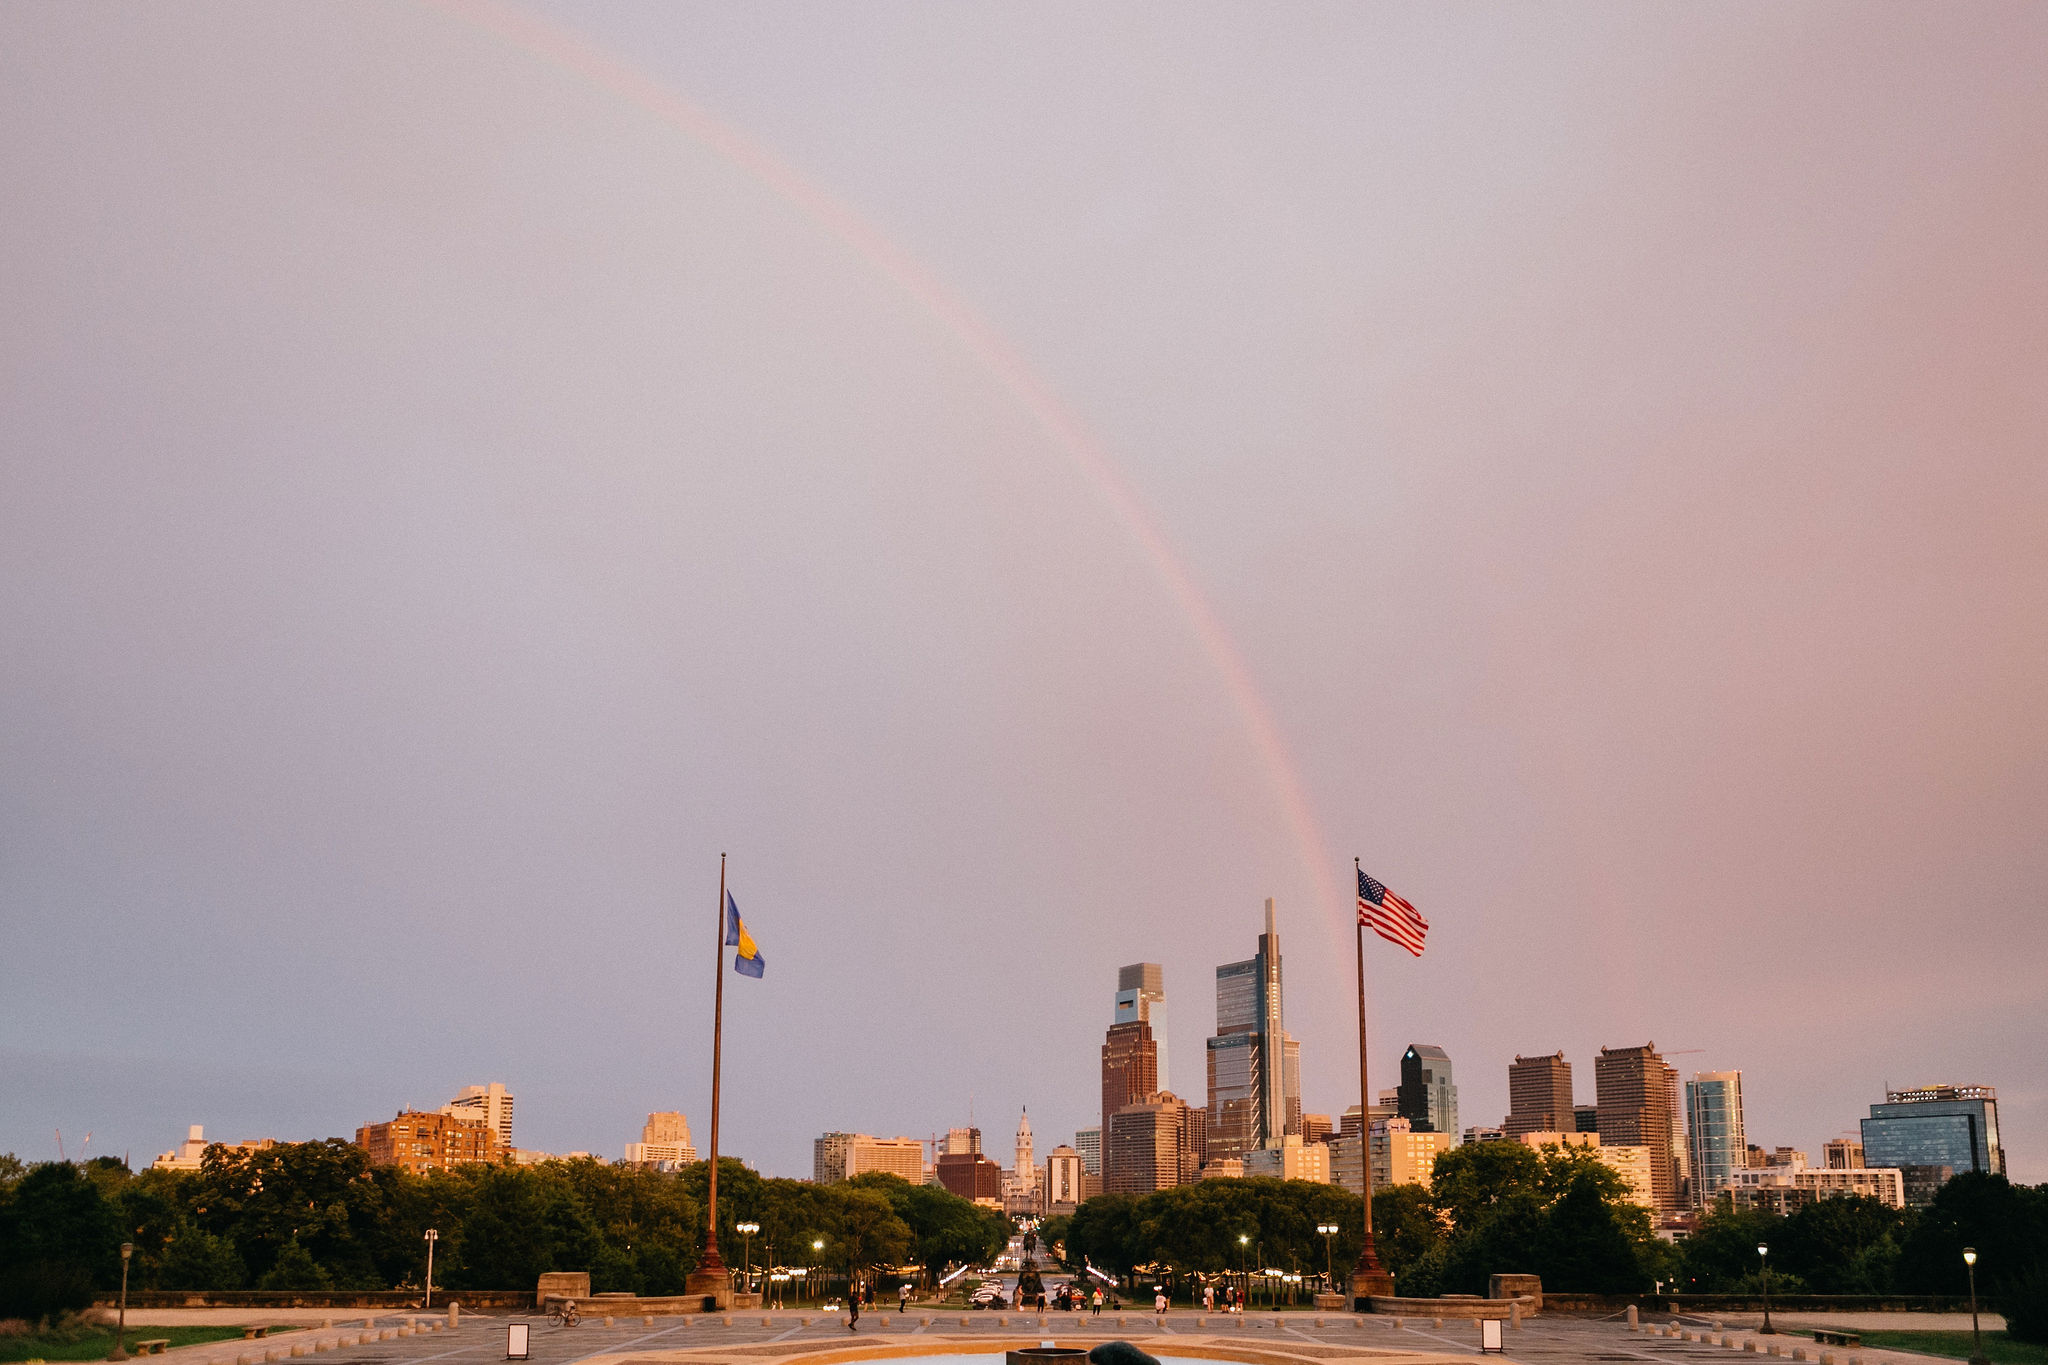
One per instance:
(853,1306)
(903,1297)
(1208,1298)
(1159,1301)
(1095,1304)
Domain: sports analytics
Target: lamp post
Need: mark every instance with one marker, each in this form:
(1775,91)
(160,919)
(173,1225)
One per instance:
(433,1235)
(120,1351)
(1244,1267)
(746,1232)
(1329,1230)
(1763,1258)
(817,1251)
(1976,1337)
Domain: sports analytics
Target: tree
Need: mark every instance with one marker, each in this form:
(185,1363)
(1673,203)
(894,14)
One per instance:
(1469,1183)
(59,1240)
(2006,1223)
(1847,1244)
(1721,1253)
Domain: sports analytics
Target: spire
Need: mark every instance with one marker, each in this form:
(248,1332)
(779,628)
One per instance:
(1269,916)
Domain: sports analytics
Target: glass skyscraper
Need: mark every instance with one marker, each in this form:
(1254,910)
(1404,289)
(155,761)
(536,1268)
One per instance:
(1713,1131)
(1427,1098)
(1254,1071)
(1938,1125)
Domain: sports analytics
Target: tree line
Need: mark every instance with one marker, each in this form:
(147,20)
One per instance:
(317,1215)
(1502,1207)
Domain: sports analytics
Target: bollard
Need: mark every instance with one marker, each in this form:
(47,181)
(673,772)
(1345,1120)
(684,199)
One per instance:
(1203,1322)
(1633,1321)
(725,1320)
(327,1324)
(1827,1358)
(924,1322)
(1437,1323)
(766,1321)
(1515,1314)
(1399,1323)
(454,1315)
(1003,1322)
(1319,1322)
(1799,1353)
(966,1322)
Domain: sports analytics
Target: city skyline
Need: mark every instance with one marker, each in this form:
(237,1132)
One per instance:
(1028,484)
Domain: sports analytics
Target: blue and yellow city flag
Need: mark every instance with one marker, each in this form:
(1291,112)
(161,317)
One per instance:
(748,961)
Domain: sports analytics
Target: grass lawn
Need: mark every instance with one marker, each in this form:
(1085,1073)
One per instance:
(1998,1347)
(93,1344)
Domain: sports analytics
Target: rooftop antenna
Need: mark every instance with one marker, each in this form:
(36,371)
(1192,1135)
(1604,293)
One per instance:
(60,1146)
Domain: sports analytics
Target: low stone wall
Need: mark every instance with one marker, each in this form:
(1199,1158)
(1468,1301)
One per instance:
(1568,1302)
(630,1306)
(1452,1308)
(390,1300)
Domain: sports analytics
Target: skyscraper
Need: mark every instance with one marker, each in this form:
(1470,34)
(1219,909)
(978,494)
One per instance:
(664,1140)
(1539,1095)
(1714,1131)
(1132,1060)
(1254,1068)
(1152,1145)
(1633,1092)
(1141,995)
(1934,1129)
(1088,1142)
(1426,1097)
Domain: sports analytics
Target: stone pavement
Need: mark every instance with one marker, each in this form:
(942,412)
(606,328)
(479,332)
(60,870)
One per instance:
(758,1338)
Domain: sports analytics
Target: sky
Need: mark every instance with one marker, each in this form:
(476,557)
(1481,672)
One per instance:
(1024,484)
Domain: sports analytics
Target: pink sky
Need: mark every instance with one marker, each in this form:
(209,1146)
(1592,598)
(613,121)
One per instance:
(444,503)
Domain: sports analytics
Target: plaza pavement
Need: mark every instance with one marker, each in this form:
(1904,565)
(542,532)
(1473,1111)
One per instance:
(757,1338)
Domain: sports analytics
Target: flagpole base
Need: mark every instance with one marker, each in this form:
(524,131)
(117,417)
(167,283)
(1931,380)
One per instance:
(1367,1285)
(709,1283)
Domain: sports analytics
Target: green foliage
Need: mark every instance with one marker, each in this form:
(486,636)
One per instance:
(2023,1298)
(1469,1184)
(294,1268)
(2006,1223)
(943,1228)
(59,1240)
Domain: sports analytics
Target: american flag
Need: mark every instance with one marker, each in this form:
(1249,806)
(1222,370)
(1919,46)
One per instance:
(1387,915)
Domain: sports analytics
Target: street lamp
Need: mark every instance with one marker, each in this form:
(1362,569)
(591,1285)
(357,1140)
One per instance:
(1244,1267)
(433,1236)
(747,1231)
(1329,1230)
(1763,1258)
(120,1351)
(1976,1337)
(817,1252)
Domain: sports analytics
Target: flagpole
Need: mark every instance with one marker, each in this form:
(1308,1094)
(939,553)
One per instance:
(710,1278)
(1368,1277)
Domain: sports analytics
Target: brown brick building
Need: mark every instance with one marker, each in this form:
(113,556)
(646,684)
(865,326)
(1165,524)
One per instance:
(1539,1096)
(1130,1066)
(428,1142)
(970,1175)
(1152,1145)
(1633,1085)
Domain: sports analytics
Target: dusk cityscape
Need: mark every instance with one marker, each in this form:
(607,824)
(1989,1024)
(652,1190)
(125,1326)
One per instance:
(1269,683)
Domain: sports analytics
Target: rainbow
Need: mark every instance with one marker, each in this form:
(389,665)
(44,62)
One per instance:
(564,49)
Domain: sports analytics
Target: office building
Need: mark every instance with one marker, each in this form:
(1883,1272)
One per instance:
(962,1142)
(1923,1130)
(1539,1095)
(1316,1128)
(1714,1132)
(1481,1133)
(1141,998)
(1223,1168)
(1293,1159)
(841,1156)
(1088,1142)
(1153,1145)
(1767,1187)
(1681,1154)
(1065,1181)
(1254,1068)
(490,1103)
(1632,1164)
(1130,1065)
(1426,1096)
(1633,1097)
(1842,1154)
(1586,1118)
(1349,1124)
(971,1176)
(422,1142)
(1403,1156)
(664,1143)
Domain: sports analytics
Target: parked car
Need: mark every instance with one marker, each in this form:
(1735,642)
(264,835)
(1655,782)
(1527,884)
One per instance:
(989,1296)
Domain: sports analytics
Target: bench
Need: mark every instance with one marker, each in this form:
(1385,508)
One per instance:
(251,1333)
(1829,1337)
(155,1346)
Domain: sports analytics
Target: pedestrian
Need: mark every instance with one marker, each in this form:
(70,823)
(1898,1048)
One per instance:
(1159,1302)
(1208,1298)
(903,1298)
(1095,1303)
(853,1305)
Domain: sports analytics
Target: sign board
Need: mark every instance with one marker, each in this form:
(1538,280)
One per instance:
(1490,1335)
(515,1341)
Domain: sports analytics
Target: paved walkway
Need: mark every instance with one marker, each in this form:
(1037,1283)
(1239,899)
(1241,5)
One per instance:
(759,1338)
